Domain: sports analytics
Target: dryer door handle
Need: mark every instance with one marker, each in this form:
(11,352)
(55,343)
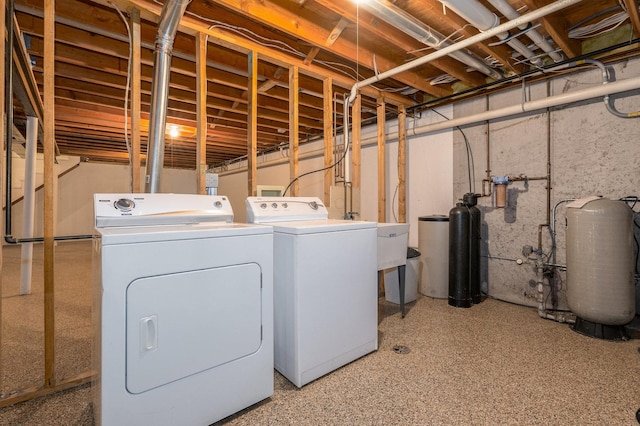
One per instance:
(149,333)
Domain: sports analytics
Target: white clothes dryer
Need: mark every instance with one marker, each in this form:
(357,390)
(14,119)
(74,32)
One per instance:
(184,304)
(325,286)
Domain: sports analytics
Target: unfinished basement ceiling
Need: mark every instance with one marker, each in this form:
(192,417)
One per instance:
(336,39)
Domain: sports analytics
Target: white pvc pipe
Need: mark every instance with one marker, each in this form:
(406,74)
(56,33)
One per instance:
(531,16)
(26,260)
(552,101)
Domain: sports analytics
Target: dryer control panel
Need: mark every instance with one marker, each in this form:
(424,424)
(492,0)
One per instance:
(123,209)
(285,209)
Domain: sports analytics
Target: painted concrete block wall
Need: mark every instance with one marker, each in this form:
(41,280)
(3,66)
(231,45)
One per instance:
(429,174)
(592,153)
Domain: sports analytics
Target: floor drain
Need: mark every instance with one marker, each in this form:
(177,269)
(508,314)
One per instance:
(400,349)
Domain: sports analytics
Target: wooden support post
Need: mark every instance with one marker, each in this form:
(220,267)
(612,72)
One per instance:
(136,83)
(382,193)
(293,129)
(201,106)
(49,191)
(3,30)
(252,123)
(356,135)
(327,105)
(402,164)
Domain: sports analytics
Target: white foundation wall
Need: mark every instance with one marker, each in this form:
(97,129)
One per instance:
(75,196)
(429,173)
(592,153)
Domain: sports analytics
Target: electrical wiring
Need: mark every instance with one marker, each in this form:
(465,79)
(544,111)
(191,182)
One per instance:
(442,79)
(295,179)
(284,47)
(126,95)
(470,164)
(605,25)
(393,202)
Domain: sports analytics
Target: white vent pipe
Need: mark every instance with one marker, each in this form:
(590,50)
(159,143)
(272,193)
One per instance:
(531,16)
(411,26)
(483,19)
(510,13)
(530,106)
(169,19)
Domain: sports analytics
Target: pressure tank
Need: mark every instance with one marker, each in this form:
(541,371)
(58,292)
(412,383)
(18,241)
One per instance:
(459,252)
(600,262)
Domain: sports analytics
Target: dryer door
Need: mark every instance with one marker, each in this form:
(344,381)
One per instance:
(184,323)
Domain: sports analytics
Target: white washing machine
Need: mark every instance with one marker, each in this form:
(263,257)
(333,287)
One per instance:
(325,286)
(184,304)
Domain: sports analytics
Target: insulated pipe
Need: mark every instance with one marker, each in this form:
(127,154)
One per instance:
(536,14)
(552,101)
(549,102)
(26,261)
(409,25)
(169,19)
(510,13)
(483,19)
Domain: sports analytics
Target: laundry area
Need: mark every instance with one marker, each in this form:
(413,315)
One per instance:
(369,212)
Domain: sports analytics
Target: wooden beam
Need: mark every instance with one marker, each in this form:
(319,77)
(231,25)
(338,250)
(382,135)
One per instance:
(293,129)
(136,100)
(632,9)
(3,30)
(555,25)
(49,193)
(311,55)
(38,391)
(402,164)
(271,14)
(252,124)
(404,44)
(201,101)
(336,31)
(356,135)
(235,43)
(328,138)
(382,193)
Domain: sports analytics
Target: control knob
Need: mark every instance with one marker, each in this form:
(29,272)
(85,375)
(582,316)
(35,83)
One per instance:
(124,204)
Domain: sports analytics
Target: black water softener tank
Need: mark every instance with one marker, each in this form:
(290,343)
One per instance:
(459,255)
(475,235)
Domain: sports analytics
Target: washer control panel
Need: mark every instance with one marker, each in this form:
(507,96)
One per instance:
(280,209)
(159,209)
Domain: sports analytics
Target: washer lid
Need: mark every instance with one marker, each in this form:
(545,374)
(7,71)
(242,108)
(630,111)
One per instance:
(123,209)
(320,226)
(284,209)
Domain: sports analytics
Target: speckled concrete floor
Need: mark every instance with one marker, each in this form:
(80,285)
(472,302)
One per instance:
(492,364)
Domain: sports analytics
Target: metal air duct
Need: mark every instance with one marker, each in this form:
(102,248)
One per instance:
(510,13)
(411,26)
(169,19)
(483,19)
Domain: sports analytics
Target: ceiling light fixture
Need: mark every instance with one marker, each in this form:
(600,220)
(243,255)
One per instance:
(173,130)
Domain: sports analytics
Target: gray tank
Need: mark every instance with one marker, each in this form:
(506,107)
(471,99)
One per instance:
(600,261)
